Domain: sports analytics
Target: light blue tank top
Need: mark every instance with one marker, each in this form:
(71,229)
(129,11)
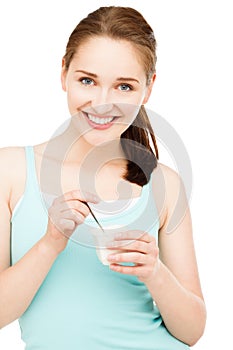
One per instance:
(82,304)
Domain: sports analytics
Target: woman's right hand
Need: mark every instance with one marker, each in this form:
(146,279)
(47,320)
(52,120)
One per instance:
(65,214)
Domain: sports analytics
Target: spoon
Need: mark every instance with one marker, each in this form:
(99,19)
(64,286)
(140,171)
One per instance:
(93,215)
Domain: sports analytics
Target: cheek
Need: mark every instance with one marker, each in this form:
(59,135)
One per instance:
(75,99)
(129,111)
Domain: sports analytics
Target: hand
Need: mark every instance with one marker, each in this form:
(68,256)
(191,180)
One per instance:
(142,251)
(66,213)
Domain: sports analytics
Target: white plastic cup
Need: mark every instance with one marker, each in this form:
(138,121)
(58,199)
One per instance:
(103,239)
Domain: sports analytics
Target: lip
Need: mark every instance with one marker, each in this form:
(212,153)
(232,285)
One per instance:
(99,126)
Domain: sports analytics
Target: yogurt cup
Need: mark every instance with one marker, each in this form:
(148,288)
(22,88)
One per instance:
(103,240)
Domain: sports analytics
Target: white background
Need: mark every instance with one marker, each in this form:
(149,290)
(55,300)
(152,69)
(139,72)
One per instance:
(193,92)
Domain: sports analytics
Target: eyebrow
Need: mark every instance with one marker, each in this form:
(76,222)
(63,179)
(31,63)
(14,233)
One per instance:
(96,76)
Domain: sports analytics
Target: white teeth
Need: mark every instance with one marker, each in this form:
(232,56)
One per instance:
(100,121)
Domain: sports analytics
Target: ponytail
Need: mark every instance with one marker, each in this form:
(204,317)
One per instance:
(139,145)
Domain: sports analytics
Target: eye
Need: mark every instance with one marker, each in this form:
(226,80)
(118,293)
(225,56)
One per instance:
(87,81)
(125,87)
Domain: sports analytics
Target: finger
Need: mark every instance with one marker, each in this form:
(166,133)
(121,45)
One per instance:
(77,195)
(75,205)
(138,270)
(133,257)
(73,215)
(135,235)
(137,246)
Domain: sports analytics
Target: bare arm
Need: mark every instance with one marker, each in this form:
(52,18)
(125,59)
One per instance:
(20,282)
(176,287)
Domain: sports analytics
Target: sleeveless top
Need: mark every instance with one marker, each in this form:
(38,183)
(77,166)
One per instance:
(82,304)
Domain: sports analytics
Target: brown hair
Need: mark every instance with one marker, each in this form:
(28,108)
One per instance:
(125,23)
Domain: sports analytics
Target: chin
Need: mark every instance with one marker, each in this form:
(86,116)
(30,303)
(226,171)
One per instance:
(97,140)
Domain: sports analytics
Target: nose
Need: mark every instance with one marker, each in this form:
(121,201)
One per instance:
(101,103)
(103,109)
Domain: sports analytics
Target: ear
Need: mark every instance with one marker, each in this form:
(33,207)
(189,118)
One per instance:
(63,75)
(149,89)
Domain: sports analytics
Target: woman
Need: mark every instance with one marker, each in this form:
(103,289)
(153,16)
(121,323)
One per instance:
(65,298)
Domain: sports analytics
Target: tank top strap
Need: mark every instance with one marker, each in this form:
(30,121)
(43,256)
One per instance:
(32,180)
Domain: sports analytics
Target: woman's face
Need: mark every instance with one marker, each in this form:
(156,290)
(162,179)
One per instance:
(105,85)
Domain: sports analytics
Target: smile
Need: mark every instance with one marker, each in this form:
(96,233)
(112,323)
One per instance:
(98,120)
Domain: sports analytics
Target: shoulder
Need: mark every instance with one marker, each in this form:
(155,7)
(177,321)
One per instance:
(7,154)
(11,159)
(171,177)
(168,177)
(168,190)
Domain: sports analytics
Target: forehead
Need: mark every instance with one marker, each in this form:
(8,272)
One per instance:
(109,55)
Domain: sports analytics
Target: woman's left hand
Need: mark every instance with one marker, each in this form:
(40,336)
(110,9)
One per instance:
(142,251)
